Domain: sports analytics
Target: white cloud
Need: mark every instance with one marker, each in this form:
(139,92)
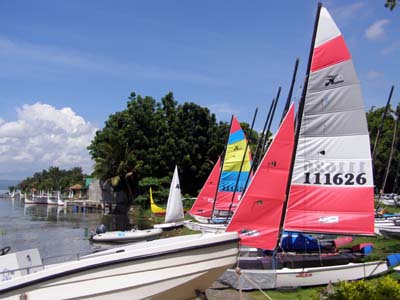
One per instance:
(19,58)
(41,137)
(392,48)
(376,31)
(374,75)
(224,108)
(346,13)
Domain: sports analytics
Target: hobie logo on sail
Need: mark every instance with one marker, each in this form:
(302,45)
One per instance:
(334,79)
(329,219)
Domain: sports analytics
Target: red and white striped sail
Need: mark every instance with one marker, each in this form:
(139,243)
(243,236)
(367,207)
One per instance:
(258,216)
(332,183)
(204,202)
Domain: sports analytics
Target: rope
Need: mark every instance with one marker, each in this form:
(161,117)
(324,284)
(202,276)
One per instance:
(240,273)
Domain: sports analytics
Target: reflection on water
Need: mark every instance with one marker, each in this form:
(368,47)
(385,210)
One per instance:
(52,229)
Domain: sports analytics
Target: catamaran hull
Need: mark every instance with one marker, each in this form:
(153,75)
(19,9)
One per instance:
(301,277)
(172,268)
(204,227)
(390,232)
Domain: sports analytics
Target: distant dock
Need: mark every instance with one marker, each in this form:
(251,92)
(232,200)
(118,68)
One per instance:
(83,205)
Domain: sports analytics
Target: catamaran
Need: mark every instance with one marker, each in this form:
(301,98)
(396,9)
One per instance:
(222,190)
(324,185)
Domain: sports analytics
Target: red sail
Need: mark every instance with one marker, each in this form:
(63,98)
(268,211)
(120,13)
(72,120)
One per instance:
(204,202)
(258,215)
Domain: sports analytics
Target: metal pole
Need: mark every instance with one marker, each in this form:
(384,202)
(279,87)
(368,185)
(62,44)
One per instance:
(289,97)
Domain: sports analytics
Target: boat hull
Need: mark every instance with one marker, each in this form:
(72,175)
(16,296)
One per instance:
(390,232)
(171,268)
(204,227)
(301,277)
(127,236)
(168,226)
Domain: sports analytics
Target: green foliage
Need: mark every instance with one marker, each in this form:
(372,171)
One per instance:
(144,142)
(53,179)
(380,289)
(391,4)
(374,117)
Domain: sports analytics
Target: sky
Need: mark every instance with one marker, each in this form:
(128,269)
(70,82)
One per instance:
(65,66)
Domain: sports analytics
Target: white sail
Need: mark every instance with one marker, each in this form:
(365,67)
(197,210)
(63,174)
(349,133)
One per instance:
(174,211)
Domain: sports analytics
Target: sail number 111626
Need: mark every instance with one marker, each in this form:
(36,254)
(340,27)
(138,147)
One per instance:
(335,179)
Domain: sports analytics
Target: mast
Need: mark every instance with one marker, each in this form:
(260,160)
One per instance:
(222,165)
(241,165)
(299,119)
(378,134)
(289,97)
(270,121)
(394,142)
(256,154)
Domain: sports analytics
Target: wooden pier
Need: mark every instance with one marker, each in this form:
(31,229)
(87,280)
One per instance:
(83,205)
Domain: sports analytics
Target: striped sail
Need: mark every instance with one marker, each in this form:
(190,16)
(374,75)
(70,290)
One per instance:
(332,184)
(205,200)
(258,216)
(233,171)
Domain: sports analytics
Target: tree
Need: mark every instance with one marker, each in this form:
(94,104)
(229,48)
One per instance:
(53,179)
(391,4)
(149,137)
(374,116)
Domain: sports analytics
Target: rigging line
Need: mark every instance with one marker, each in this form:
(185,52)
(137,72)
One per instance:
(256,154)
(241,273)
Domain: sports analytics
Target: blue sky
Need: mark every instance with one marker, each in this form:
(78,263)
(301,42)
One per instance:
(67,65)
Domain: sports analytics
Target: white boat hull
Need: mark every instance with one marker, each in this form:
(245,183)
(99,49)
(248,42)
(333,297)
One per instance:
(301,277)
(127,236)
(172,268)
(166,226)
(203,227)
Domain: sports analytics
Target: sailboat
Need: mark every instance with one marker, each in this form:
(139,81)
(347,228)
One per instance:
(155,209)
(325,185)
(222,190)
(174,213)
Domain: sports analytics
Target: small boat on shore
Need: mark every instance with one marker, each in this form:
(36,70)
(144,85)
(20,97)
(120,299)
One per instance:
(133,235)
(174,214)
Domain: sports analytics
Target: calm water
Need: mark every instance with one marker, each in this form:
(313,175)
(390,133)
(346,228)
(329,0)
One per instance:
(59,235)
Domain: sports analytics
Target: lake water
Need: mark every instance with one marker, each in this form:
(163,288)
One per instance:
(59,235)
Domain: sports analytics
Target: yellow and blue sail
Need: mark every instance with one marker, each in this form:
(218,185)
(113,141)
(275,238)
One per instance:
(234,172)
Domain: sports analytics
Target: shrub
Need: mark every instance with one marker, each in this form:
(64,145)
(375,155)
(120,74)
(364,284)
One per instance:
(380,289)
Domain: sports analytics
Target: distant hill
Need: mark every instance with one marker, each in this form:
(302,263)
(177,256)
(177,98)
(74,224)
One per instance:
(5,183)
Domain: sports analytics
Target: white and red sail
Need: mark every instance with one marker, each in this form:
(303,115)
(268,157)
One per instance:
(258,216)
(332,184)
